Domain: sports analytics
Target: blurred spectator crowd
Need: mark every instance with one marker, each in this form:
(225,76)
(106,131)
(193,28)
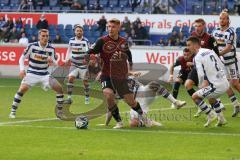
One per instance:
(136,34)
(123,6)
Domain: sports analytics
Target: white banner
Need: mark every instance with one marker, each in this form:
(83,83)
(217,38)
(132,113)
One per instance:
(158,23)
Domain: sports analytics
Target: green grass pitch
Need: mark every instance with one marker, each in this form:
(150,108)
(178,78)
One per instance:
(36,134)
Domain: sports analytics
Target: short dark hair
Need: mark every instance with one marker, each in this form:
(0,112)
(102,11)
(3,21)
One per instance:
(78,26)
(200,20)
(194,40)
(185,50)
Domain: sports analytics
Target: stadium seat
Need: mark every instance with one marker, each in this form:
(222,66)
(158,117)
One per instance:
(46,8)
(60,27)
(6,8)
(4,2)
(123,3)
(68,27)
(53,3)
(56,9)
(85,27)
(113,3)
(103,3)
(15,2)
(208,10)
(94,27)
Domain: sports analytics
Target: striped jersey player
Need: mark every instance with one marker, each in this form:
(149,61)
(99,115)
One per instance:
(226,39)
(39,54)
(76,54)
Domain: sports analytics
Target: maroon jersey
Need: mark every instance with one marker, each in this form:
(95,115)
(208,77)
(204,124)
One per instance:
(183,63)
(114,55)
(207,41)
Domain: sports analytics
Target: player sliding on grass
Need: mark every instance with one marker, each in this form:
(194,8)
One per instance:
(145,95)
(210,71)
(39,55)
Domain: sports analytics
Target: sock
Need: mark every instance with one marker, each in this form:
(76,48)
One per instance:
(203,106)
(216,107)
(69,89)
(59,98)
(86,90)
(115,113)
(191,91)
(16,101)
(175,89)
(138,109)
(234,100)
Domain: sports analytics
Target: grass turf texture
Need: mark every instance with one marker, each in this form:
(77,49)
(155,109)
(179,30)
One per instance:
(183,137)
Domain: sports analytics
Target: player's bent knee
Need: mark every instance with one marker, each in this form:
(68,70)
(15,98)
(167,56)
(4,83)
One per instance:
(71,79)
(188,84)
(23,88)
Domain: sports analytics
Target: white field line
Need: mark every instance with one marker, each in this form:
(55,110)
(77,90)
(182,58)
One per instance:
(135,131)
(27,121)
(51,119)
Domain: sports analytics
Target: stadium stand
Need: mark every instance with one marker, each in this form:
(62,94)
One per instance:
(121,6)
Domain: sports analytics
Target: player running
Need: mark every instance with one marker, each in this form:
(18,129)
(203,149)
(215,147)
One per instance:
(115,56)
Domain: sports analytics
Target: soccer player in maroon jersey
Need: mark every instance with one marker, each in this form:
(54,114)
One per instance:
(207,41)
(116,60)
(186,62)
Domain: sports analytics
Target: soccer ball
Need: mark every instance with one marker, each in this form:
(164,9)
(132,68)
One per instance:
(81,122)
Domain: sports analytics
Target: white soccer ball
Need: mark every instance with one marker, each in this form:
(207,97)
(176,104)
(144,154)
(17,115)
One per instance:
(81,122)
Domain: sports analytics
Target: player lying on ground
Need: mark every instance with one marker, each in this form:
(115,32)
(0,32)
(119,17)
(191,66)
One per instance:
(145,95)
(39,55)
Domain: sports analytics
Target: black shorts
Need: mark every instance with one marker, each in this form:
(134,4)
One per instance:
(182,75)
(193,76)
(119,86)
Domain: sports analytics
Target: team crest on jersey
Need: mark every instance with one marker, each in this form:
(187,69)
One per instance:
(109,47)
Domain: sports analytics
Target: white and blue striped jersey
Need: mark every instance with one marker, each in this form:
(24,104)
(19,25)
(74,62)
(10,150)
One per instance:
(223,38)
(38,57)
(209,67)
(77,51)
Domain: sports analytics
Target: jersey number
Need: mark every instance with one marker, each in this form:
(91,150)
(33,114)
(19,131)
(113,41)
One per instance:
(215,61)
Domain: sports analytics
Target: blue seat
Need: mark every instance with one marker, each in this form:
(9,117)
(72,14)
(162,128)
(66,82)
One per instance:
(85,27)
(123,3)
(113,3)
(68,27)
(53,3)
(46,8)
(60,27)
(103,3)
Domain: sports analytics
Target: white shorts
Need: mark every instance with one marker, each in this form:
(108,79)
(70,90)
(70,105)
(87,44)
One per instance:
(213,92)
(232,71)
(78,72)
(32,80)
